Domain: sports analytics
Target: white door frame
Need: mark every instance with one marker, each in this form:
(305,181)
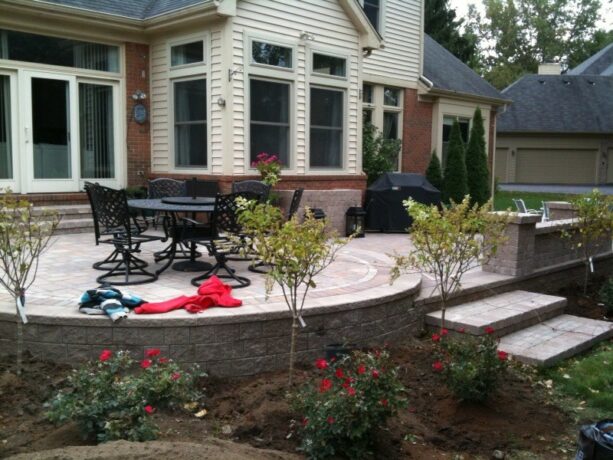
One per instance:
(31,184)
(14,182)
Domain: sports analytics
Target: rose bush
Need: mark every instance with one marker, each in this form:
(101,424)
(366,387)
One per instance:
(345,402)
(113,398)
(471,366)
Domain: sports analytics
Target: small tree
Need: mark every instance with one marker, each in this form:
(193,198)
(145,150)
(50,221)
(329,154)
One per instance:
(455,186)
(595,222)
(449,242)
(379,155)
(24,235)
(434,173)
(476,162)
(296,253)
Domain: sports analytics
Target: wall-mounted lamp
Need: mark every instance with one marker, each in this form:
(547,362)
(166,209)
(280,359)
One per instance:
(307,36)
(139,95)
(221,102)
(232,72)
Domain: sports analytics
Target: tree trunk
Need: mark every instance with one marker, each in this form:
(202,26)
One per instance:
(19,341)
(586,277)
(443,311)
(292,351)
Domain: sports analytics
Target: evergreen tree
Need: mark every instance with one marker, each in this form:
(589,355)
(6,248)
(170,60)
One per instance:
(476,162)
(455,186)
(434,173)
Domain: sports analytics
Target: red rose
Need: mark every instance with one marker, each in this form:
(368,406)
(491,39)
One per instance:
(351,391)
(321,364)
(333,359)
(149,409)
(339,373)
(163,360)
(175,376)
(437,366)
(361,369)
(436,337)
(331,420)
(503,355)
(384,402)
(489,330)
(375,374)
(145,363)
(325,385)
(152,352)
(105,355)
(444,332)
(462,330)
(305,421)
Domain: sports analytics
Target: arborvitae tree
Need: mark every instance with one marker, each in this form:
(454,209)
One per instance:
(455,186)
(476,162)
(434,173)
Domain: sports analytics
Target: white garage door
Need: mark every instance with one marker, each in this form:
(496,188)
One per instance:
(555,166)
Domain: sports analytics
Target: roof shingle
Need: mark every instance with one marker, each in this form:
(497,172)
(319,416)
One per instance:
(600,63)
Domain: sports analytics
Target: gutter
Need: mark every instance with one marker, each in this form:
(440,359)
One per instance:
(459,95)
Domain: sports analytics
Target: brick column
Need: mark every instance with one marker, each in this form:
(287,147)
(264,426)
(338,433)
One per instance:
(138,138)
(515,256)
(416,133)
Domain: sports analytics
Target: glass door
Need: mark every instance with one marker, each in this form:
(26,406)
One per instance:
(51,135)
(8,136)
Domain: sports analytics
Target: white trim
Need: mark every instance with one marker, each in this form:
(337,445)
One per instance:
(14,182)
(250,38)
(333,54)
(194,66)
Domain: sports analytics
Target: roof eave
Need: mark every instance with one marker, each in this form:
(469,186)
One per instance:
(370,38)
(434,91)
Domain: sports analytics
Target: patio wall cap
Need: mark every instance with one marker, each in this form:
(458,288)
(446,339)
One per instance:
(559,205)
(555,225)
(520,219)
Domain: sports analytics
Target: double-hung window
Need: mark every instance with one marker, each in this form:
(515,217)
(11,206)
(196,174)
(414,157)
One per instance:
(327,117)
(190,123)
(447,125)
(392,108)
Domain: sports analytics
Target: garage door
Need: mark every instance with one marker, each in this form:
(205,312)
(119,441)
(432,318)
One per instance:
(555,166)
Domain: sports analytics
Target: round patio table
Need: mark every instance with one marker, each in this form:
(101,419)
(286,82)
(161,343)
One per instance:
(189,205)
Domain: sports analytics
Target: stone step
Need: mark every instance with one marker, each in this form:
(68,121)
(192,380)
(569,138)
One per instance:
(68,212)
(75,226)
(505,313)
(555,339)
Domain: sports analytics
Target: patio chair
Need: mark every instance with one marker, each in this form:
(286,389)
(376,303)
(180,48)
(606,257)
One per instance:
(197,187)
(546,215)
(124,233)
(521,207)
(225,239)
(253,186)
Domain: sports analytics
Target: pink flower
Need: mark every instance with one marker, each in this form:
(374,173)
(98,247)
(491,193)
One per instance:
(503,355)
(149,409)
(321,364)
(351,391)
(146,363)
(325,385)
(437,366)
(361,369)
(331,420)
(105,355)
(436,337)
(489,330)
(444,332)
(339,373)
(175,376)
(375,374)
(163,360)
(152,352)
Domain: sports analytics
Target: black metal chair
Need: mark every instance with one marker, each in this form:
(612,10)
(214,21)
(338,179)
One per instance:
(224,240)
(252,186)
(124,233)
(163,187)
(197,187)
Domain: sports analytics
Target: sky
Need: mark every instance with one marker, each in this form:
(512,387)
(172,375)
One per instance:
(461,7)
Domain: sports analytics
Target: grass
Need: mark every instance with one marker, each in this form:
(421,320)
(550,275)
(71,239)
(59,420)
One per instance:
(504,200)
(586,382)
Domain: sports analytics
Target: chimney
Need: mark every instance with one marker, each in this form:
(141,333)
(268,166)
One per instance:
(550,68)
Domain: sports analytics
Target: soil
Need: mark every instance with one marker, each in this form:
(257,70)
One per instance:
(253,412)
(586,305)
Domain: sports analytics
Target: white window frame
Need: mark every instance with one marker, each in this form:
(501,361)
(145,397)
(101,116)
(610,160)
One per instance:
(454,117)
(331,54)
(380,28)
(204,39)
(344,142)
(275,42)
(16,161)
(171,128)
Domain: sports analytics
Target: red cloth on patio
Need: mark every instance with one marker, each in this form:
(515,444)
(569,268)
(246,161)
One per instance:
(213,292)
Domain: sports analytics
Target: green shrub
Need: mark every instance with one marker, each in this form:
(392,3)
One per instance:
(434,173)
(470,365)
(476,162)
(606,296)
(110,399)
(136,192)
(379,155)
(455,185)
(345,402)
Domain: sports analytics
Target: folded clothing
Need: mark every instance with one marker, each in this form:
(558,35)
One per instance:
(108,301)
(212,293)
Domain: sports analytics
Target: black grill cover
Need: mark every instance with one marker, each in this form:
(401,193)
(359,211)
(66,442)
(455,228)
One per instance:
(384,209)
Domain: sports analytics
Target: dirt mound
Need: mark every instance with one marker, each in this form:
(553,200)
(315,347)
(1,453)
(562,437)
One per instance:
(124,450)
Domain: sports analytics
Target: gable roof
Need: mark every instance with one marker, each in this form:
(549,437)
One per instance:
(600,63)
(133,9)
(558,104)
(448,73)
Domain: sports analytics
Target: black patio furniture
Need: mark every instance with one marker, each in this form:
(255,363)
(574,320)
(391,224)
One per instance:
(252,186)
(196,187)
(174,225)
(124,233)
(164,187)
(225,239)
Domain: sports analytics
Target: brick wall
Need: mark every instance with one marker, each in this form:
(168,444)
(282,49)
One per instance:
(417,133)
(138,138)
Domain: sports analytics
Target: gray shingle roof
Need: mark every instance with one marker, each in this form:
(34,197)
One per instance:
(134,9)
(600,63)
(558,104)
(448,73)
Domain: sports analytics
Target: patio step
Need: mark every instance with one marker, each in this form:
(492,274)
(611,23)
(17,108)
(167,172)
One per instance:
(75,218)
(505,313)
(555,339)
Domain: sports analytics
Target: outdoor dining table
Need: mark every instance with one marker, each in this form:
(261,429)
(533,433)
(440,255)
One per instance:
(171,206)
